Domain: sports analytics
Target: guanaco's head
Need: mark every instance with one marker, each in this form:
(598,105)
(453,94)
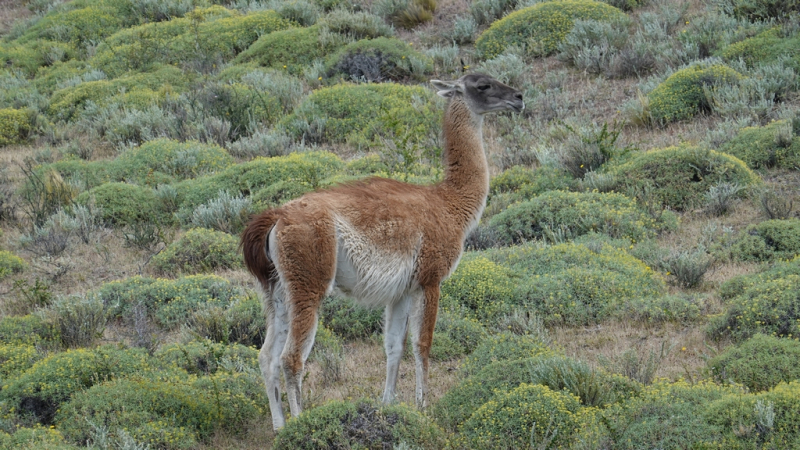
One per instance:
(482,93)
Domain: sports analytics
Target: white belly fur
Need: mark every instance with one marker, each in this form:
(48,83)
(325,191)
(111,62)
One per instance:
(372,276)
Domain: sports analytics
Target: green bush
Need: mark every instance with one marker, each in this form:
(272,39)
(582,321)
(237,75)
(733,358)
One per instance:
(16,359)
(378,59)
(455,336)
(765,420)
(360,113)
(348,319)
(769,240)
(541,27)
(291,50)
(682,95)
(10,264)
(531,414)
(79,319)
(279,193)
(592,387)
(481,286)
(28,330)
(755,10)
(667,416)
(357,25)
(681,309)
(199,250)
(242,322)
(206,357)
(530,182)
(77,26)
(14,126)
(170,301)
(573,214)
(307,168)
(764,48)
(773,145)
(165,412)
(759,363)
(123,204)
(178,160)
(35,438)
(42,389)
(678,177)
(361,424)
(503,347)
(762,303)
(577,284)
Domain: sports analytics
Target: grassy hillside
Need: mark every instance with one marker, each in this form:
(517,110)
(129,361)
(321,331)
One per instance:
(634,282)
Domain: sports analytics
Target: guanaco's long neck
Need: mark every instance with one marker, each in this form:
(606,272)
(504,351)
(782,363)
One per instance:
(466,172)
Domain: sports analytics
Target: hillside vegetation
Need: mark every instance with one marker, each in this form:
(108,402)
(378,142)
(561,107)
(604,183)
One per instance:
(634,281)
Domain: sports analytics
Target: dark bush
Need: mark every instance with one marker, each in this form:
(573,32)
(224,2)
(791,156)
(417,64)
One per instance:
(376,60)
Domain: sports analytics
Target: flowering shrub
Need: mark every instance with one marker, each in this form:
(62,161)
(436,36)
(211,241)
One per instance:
(764,48)
(481,286)
(678,177)
(529,414)
(503,347)
(178,160)
(15,359)
(759,363)
(35,437)
(14,125)
(292,49)
(769,240)
(773,145)
(682,95)
(10,263)
(761,303)
(571,283)
(77,26)
(42,388)
(574,214)
(199,250)
(27,330)
(360,424)
(541,27)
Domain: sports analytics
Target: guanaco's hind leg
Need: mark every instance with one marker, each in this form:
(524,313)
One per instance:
(269,358)
(423,321)
(394,339)
(306,256)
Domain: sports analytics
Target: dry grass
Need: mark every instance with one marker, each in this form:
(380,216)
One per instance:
(10,12)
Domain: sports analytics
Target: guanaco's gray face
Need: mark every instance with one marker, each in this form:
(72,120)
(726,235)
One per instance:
(482,93)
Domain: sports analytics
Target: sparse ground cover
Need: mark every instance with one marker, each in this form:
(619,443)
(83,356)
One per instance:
(634,282)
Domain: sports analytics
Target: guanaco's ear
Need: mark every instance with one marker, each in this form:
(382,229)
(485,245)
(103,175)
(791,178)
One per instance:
(447,89)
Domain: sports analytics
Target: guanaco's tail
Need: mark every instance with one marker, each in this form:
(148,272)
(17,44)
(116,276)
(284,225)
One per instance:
(254,247)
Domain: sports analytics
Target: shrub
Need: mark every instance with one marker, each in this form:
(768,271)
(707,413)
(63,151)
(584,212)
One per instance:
(756,10)
(27,330)
(226,213)
(376,60)
(361,113)
(572,283)
(775,204)
(769,240)
(170,301)
(687,266)
(360,424)
(16,359)
(10,264)
(328,352)
(530,182)
(573,214)
(591,45)
(199,250)
(455,336)
(762,303)
(42,389)
(682,96)
(681,309)
(242,321)
(480,286)
(35,437)
(124,204)
(665,415)
(678,177)
(767,419)
(203,357)
(407,13)
(290,49)
(592,387)
(484,12)
(530,414)
(14,126)
(357,25)
(759,363)
(503,347)
(541,27)
(760,147)
(165,413)
(766,47)
(79,319)
(348,319)
(164,159)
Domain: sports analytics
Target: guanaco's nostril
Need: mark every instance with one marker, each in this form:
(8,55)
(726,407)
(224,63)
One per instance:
(518,95)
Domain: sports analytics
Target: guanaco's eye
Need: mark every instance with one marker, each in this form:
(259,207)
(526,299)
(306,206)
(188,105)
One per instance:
(483,87)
